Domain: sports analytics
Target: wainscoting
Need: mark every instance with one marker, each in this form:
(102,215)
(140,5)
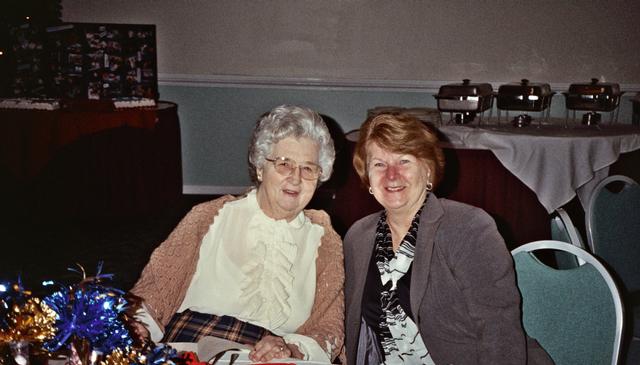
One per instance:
(217,115)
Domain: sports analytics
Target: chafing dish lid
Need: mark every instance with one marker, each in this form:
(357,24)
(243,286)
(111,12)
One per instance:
(595,88)
(466,88)
(524,87)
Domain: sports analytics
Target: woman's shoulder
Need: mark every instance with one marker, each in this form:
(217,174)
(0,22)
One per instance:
(201,214)
(455,221)
(318,216)
(458,210)
(453,204)
(213,205)
(322,218)
(362,225)
(465,223)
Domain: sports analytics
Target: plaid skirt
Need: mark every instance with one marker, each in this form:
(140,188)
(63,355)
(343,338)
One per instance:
(190,326)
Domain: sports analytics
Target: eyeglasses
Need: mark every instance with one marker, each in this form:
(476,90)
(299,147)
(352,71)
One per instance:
(285,166)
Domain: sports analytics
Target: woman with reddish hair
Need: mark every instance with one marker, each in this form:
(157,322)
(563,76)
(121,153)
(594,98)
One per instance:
(427,280)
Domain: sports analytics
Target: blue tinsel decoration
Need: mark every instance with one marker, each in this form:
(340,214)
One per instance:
(161,355)
(89,311)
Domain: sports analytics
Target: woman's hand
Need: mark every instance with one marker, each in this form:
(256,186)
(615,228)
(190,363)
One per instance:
(139,333)
(137,330)
(273,347)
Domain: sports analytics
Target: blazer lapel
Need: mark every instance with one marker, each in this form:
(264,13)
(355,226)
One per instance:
(360,250)
(365,244)
(429,221)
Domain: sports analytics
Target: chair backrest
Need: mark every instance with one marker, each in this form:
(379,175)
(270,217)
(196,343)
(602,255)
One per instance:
(613,227)
(562,229)
(575,314)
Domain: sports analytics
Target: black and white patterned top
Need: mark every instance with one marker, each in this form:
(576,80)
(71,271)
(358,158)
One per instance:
(399,337)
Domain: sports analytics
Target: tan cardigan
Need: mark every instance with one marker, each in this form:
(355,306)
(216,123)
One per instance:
(164,281)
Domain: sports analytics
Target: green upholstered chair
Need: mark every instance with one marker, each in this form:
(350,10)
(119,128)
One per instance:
(613,234)
(575,314)
(562,229)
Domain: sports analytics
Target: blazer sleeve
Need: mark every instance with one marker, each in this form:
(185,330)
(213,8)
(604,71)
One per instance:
(484,270)
(326,323)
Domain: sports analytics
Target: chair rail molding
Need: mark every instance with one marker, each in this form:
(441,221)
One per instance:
(239,81)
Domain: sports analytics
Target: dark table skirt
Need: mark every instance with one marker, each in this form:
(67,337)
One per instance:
(93,164)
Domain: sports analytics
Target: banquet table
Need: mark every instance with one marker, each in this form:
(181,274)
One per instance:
(518,175)
(557,163)
(90,161)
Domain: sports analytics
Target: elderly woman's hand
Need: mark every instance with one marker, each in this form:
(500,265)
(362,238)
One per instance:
(273,347)
(139,333)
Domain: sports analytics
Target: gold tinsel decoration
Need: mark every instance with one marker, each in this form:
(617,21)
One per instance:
(123,357)
(34,321)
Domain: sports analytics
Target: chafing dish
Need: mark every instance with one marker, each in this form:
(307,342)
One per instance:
(465,99)
(525,96)
(593,97)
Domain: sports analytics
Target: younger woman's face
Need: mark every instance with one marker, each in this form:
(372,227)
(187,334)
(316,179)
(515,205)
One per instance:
(398,181)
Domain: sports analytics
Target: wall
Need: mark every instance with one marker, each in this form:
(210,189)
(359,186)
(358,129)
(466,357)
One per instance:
(227,61)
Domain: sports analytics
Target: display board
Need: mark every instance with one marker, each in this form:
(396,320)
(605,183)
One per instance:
(94,61)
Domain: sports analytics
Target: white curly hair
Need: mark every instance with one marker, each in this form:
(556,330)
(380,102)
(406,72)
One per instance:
(290,121)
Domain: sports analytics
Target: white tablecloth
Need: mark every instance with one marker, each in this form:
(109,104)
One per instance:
(555,162)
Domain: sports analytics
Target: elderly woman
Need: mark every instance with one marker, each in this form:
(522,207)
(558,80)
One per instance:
(257,269)
(428,280)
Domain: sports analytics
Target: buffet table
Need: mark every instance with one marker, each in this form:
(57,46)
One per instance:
(518,175)
(91,162)
(555,162)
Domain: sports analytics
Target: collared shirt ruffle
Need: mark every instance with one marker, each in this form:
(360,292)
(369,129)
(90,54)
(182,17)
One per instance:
(268,279)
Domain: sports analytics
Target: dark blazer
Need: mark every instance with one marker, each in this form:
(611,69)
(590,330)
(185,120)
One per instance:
(463,289)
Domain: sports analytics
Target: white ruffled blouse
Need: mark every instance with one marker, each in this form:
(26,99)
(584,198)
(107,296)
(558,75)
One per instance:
(255,268)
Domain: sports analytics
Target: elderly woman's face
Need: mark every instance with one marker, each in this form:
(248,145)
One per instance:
(283,196)
(398,181)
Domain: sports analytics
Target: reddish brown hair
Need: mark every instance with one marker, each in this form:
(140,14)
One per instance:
(399,134)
